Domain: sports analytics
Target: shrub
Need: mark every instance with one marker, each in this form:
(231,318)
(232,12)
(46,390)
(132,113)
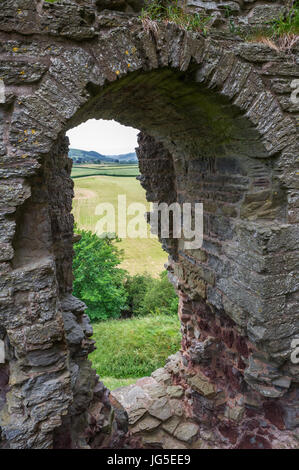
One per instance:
(137,287)
(149,296)
(109,291)
(160,297)
(98,280)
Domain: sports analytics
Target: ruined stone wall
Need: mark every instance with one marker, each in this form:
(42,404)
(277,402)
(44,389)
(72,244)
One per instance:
(233,377)
(231,15)
(218,127)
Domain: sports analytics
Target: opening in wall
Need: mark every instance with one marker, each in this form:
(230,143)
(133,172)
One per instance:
(119,265)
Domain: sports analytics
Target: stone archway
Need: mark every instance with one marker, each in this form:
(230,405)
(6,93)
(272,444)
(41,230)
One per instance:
(215,129)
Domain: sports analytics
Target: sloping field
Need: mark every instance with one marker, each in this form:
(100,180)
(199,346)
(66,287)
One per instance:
(140,254)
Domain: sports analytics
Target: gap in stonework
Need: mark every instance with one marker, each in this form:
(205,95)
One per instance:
(122,279)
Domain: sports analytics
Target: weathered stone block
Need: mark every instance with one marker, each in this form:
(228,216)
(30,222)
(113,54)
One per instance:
(186,432)
(133,399)
(160,409)
(201,384)
(17,73)
(161,375)
(74,332)
(175,391)
(263,14)
(171,425)
(146,424)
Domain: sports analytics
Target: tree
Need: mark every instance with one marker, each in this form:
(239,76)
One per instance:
(147,295)
(137,287)
(98,280)
(160,297)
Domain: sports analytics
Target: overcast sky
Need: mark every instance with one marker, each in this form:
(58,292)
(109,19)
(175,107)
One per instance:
(105,137)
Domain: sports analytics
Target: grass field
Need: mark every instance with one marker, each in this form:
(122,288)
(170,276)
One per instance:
(134,348)
(80,171)
(140,254)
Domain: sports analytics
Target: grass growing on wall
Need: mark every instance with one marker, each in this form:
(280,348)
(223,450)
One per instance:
(171,11)
(287,23)
(129,349)
(281,33)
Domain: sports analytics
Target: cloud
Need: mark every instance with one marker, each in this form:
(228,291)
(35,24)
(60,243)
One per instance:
(106,137)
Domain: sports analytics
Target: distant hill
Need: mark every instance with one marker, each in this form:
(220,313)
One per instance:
(84,156)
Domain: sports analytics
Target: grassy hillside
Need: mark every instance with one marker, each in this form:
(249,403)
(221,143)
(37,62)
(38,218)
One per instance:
(85,156)
(130,349)
(140,254)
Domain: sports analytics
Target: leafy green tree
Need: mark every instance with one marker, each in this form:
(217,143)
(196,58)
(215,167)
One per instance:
(147,295)
(161,297)
(109,291)
(137,287)
(98,280)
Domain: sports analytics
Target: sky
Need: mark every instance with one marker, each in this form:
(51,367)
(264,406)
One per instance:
(105,137)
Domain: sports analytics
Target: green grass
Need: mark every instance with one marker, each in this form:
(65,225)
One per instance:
(80,171)
(286,26)
(287,23)
(112,383)
(140,254)
(171,11)
(134,348)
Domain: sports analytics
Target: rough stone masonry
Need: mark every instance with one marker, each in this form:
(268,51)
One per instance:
(218,126)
